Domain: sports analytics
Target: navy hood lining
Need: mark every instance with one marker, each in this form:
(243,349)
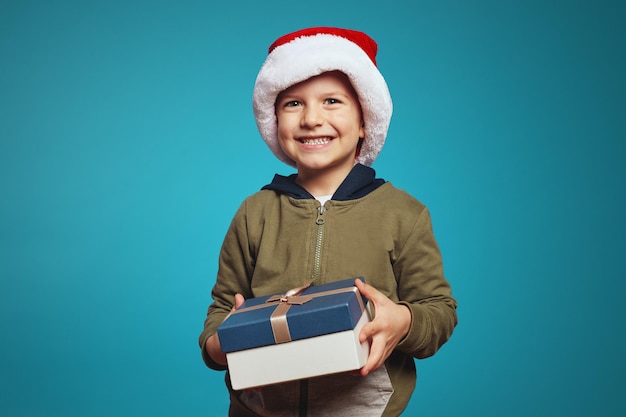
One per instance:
(360,181)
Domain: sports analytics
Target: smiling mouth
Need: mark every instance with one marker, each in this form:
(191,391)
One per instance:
(315,141)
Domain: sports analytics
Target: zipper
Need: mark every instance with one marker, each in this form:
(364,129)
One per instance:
(319,221)
(317,260)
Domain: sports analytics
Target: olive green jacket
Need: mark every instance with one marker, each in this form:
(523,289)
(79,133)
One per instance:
(277,242)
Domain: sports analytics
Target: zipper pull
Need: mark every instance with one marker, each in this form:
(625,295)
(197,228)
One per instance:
(320,215)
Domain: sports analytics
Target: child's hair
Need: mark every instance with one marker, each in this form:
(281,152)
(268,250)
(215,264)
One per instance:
(303,54)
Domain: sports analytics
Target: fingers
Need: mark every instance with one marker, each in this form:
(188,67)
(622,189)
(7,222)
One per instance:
(376,355)
(214,349)
(367,332)
(375,359)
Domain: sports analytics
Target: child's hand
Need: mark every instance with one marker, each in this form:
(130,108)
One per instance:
(212,345)
(391,323)
(238,302)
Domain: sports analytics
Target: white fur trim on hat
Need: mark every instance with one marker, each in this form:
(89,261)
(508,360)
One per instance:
(308,56)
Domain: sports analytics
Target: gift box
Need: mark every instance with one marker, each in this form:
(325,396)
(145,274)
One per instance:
(306,332)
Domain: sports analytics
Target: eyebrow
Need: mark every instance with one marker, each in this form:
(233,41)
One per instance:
(337,93)
(332,93)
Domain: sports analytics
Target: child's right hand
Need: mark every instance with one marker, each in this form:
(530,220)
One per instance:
(212,345)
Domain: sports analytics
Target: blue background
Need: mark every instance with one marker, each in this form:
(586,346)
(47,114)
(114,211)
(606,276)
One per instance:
(127,142)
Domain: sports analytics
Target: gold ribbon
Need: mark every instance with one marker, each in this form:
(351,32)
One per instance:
(278,319)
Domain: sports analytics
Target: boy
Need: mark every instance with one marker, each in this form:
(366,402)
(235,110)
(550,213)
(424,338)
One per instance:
(323,107)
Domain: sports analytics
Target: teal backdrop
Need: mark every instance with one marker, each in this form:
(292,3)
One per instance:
(127,142)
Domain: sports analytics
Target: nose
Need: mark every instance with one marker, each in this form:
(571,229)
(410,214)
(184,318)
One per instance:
(311,116)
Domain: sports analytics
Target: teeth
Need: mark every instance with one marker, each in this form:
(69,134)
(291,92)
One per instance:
(316,141)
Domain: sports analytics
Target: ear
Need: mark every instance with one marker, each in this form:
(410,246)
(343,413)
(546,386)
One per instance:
(358,147)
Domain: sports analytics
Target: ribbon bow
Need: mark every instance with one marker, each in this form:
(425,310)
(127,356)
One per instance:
(278,319)
(292,296)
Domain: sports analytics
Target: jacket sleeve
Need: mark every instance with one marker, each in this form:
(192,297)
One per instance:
(234,268)
(423,288)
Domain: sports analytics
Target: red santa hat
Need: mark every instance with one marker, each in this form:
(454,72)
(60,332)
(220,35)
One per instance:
(303,54)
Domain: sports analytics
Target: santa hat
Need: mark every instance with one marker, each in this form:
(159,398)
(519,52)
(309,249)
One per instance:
(300,55)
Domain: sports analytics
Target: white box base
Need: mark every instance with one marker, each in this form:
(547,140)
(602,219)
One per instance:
(306,358)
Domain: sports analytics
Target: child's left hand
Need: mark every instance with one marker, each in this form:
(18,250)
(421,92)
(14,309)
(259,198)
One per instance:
(390,324)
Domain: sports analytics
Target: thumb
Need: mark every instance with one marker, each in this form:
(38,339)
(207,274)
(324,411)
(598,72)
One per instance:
(238,300)
(367,290)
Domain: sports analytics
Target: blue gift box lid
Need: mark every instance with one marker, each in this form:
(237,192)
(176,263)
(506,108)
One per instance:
(326,308)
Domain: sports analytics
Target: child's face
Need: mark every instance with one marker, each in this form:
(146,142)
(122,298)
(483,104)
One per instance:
(320,123)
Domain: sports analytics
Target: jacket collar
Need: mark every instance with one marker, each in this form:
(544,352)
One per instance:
(359,182)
